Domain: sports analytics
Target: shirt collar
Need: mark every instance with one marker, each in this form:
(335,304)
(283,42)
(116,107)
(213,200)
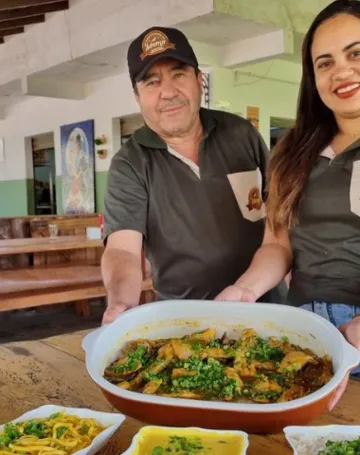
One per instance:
(328,152)
(148,138)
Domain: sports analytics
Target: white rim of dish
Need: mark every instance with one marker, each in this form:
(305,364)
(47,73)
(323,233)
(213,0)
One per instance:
(351,358)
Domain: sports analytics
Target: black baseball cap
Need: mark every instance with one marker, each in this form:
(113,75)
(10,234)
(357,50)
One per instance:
(158,43)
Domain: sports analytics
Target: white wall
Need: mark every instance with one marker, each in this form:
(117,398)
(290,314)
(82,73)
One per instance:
(106,99)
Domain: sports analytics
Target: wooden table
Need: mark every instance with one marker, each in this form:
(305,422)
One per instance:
(52,370)
(47,244)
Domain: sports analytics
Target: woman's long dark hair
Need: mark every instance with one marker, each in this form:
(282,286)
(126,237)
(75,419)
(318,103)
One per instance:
(315,127)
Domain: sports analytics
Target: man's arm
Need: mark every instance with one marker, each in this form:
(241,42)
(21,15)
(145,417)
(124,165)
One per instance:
(126,205)
(122,273)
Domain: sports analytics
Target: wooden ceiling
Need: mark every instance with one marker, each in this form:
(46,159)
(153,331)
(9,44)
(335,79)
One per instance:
(16,14)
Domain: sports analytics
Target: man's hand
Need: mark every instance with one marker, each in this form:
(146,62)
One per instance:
(351,331)
(236,294)
(112,312)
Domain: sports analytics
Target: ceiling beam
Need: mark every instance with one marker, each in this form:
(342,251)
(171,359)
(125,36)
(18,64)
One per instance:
(12,31)
(33,10)
(4,25)
(12,4)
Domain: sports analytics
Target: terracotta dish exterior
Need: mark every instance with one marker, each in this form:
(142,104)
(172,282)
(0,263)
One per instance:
(177,318)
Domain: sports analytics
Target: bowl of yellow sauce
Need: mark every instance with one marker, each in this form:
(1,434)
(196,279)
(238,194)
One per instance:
(157,440)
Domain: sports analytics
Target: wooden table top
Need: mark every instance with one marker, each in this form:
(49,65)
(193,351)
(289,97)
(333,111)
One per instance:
(52,370)
(45,244)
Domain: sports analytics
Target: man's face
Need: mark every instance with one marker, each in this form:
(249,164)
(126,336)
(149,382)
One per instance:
(169,97)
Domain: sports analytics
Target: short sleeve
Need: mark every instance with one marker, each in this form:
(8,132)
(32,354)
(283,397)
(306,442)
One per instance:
(126,199)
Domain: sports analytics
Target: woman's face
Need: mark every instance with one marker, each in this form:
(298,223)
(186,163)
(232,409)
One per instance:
(335,54)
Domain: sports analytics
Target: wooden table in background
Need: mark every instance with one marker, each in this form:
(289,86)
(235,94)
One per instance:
(47,244)
(52,370)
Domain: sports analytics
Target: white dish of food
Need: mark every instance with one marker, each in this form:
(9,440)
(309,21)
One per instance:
(178,318)
(322,440)
(163,440)
(63,430)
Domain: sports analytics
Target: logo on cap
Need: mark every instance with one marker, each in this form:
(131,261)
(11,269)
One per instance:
(154,43)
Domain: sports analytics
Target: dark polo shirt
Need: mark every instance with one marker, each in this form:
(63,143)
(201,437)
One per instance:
(326,240)
(201,226)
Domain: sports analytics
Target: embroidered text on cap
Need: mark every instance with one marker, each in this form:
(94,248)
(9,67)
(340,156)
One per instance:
(154,43)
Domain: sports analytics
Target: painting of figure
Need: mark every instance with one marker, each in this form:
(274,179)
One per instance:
(78,167)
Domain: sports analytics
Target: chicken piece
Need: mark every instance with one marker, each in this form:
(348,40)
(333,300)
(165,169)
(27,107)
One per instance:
(181,372)
(183,351)
(152,387)
(216,353)
(242,366)
(244,370)
(124,385)
(134,384)
(163,360)
(295,361)
(293,393)
(265,385)
(135,366)
(265,366)
(231,374)
(315,375)
(165,351)
(206,336)
(283,345)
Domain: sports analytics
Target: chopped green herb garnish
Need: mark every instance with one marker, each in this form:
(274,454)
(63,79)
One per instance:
(341,448)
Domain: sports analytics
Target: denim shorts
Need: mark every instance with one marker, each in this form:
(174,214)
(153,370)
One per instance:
(337,314)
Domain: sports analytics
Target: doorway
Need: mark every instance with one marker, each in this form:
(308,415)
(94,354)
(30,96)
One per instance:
(278,127)
(43,154)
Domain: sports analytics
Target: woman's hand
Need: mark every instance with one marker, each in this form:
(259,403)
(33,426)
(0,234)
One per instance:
(351,331)
(236,294)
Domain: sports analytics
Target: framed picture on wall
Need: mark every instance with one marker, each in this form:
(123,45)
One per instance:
(78,167)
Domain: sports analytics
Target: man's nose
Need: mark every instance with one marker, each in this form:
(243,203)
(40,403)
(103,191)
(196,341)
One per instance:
(168,89)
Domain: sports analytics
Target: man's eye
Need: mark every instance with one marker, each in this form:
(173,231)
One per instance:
(152,83)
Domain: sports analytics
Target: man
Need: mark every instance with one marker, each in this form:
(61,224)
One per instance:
(188,186)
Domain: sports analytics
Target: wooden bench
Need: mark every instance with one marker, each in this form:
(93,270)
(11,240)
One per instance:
(59,271)
(40,286)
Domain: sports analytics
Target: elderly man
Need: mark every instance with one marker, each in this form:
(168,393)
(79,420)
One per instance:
(188,186)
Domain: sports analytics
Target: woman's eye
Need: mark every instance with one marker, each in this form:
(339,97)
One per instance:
(324,65)
(355,54)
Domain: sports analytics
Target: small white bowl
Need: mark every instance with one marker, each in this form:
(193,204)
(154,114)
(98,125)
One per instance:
(181,432)
(107,419)
(316,437)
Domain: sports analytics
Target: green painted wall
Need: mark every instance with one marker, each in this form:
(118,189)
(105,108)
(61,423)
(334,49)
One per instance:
(17,196)
(30,197)
(13,198)
(59,204)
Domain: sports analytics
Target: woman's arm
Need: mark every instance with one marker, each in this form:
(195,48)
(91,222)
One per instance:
(270,265)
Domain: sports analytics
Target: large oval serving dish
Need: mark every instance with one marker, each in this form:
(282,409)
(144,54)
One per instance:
(178,318)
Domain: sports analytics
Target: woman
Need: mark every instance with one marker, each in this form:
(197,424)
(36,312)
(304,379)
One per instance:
(313,205)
